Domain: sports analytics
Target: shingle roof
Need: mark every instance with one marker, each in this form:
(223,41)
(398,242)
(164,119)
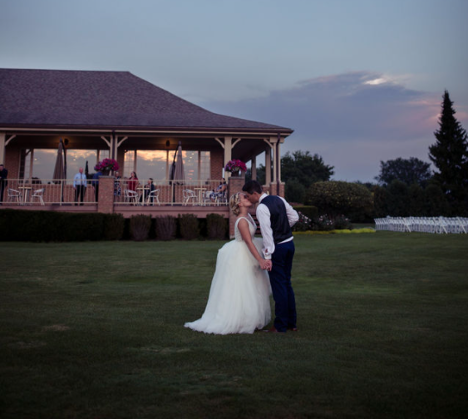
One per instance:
(115,99)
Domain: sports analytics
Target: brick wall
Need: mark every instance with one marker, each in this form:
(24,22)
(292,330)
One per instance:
(12,160)
(217,164)
(106,194)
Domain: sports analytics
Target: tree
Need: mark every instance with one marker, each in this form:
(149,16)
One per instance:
(398,204)
(305,168)
(408,171)
(450,156)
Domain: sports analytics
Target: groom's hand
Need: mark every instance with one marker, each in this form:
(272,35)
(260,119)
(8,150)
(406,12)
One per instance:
(264,264)
(267,265)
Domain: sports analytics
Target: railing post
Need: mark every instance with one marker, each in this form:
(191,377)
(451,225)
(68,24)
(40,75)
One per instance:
(106,194)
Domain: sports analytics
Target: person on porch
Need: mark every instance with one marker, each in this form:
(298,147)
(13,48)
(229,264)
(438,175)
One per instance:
(79,184)
(3,181)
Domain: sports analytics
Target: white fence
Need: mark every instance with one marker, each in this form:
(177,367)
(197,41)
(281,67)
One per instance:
(439,225)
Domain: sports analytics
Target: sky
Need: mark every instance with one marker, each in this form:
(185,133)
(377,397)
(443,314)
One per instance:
(359,81)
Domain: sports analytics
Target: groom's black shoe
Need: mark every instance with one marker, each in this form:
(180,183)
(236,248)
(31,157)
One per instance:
(293,329)
(273,330)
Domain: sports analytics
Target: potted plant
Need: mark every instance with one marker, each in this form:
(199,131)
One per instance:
(236,167)
(106,166)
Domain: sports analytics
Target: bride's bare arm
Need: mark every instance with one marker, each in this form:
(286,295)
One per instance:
(243,227)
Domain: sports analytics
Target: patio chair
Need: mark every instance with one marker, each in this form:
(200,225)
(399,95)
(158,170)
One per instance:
(131,196)
(153,196)
(38,193)
(188,195)
(221,199)
(13,194)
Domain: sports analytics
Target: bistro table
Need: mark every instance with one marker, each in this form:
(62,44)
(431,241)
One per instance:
(142,196)
(25,192)
(200,195)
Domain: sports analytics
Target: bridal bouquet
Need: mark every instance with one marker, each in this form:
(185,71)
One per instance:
(106,165)
(235,165)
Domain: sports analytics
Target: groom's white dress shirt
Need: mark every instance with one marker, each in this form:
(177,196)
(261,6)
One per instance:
(263,216)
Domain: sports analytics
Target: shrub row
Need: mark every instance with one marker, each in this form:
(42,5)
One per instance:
(45,226)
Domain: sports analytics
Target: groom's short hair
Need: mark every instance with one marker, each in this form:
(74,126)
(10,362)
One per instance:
(252,186)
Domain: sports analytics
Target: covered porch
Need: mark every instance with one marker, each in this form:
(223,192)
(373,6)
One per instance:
(117,115)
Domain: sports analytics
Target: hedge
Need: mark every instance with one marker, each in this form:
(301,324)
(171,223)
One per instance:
(53,226)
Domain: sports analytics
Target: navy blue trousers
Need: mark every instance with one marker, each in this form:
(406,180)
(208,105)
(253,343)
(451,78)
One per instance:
(280,280)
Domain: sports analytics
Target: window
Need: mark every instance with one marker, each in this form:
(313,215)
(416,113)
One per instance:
(156,164)
(40,163)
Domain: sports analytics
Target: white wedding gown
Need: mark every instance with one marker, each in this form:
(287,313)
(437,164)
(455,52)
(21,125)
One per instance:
(239,300)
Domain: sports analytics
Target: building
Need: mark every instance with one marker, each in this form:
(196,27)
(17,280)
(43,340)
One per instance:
(118,115)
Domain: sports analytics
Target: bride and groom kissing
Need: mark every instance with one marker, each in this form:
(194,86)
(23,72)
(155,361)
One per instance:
(248,269)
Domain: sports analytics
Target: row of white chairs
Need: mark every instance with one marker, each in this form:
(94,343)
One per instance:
(438,225)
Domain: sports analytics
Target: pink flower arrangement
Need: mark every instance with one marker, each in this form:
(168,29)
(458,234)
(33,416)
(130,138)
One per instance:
(106,165)
(235,166)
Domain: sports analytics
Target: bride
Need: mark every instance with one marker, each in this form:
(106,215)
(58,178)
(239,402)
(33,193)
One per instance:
(239,300)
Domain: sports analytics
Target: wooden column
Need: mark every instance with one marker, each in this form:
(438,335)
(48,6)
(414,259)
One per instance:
(2,148)
(254,168)
(227,153)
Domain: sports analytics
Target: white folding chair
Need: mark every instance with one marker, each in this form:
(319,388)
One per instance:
(221,199)
(153,196)
(188,195)
(13,194)
(38,193)
(131,196)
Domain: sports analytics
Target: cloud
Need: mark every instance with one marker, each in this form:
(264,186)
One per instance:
(352,120)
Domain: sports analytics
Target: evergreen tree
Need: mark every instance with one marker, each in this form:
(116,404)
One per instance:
(450,156)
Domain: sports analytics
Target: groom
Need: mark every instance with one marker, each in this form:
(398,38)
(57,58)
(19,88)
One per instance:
(276,217)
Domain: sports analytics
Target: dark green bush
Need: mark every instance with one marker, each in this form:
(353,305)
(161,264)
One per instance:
(436,202)
(139,226)
(381,199)
(79,227)
(342,223)
(189,228)
(295,191)
(165,228)
(114,225)
(45,226)
(398,205)
(309,211)
(337,198)
(217,226)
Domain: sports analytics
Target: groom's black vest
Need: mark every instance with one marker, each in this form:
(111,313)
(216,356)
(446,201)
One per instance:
(279,218)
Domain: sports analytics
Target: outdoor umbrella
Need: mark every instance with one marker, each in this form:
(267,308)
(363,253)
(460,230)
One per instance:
(179,165)
(86,170)
(177,170)
(60,170)
(60,163)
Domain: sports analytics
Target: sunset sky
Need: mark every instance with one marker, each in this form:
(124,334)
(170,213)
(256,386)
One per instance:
(359,81)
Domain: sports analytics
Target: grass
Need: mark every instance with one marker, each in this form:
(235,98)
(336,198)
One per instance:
(95,330)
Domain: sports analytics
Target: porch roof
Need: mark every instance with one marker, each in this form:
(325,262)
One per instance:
(47,99)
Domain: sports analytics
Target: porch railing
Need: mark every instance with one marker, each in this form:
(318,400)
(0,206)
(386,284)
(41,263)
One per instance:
(162,192)
(19,192)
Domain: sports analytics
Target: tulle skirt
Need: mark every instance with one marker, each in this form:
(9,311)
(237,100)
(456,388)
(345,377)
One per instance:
(239,299)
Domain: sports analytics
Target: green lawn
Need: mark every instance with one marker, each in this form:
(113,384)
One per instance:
(95,330)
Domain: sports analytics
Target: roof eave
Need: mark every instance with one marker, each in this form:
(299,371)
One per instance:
(146,129)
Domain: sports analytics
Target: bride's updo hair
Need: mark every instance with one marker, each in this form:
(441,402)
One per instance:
(234,203)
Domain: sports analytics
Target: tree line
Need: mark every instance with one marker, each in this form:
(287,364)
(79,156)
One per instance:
(404,187)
